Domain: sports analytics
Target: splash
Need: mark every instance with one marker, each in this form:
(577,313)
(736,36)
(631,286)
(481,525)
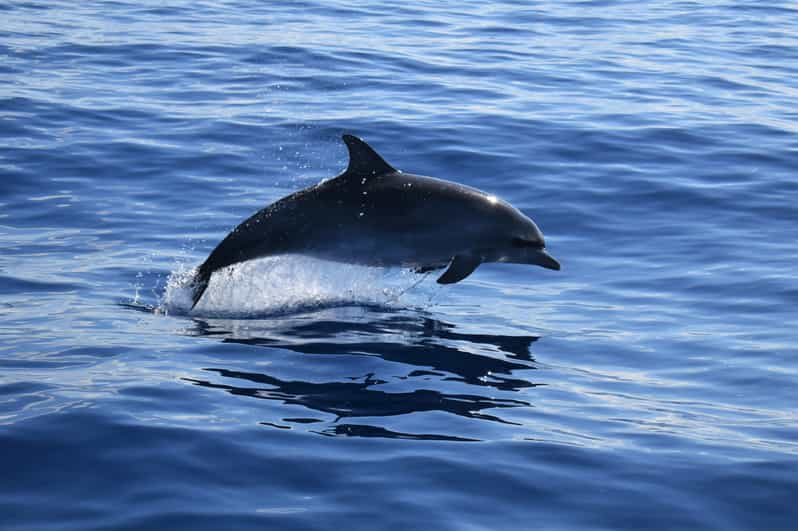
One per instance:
(288,283)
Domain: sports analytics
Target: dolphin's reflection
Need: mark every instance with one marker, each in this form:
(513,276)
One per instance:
(357,399)
(432,351)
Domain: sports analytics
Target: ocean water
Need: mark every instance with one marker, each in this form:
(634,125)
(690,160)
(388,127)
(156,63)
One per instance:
(650,384)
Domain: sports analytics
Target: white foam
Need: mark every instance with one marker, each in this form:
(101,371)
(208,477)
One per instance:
(288,283)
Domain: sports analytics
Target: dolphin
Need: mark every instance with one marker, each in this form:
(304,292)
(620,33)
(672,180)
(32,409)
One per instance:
(373,214)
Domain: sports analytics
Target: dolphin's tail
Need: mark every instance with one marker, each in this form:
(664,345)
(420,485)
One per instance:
(200,283)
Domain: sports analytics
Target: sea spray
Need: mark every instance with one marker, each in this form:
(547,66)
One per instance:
(291,283)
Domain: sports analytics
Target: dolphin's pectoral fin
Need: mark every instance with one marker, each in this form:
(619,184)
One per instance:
(462,266)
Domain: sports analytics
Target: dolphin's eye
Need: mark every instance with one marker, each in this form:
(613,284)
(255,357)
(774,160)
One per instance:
(520,242)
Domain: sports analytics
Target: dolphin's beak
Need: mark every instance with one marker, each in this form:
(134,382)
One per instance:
(544,259)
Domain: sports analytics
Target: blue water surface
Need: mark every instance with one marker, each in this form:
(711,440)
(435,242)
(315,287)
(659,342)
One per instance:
(650,384)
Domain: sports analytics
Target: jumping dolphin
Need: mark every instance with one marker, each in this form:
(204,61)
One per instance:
(373,214)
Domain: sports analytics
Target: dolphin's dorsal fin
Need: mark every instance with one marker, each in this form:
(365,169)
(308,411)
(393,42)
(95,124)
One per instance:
(462,265)
(363,160)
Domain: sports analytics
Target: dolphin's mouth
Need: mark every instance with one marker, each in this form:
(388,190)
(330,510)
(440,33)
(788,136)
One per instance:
(544,259)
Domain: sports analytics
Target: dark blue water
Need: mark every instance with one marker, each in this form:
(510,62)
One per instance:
(649,384)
